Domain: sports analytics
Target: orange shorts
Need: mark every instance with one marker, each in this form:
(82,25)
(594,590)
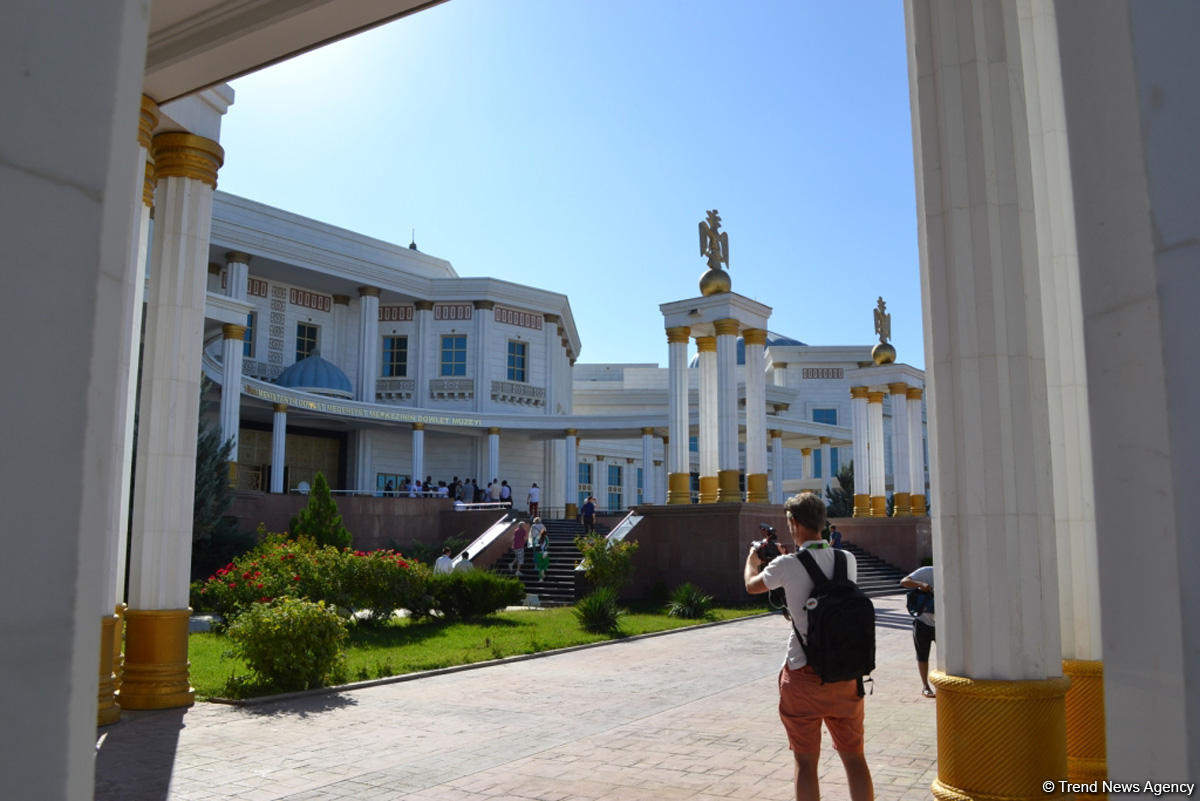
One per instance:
(804,702)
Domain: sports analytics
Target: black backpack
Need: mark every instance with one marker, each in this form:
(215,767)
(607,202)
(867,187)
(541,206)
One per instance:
(841,624)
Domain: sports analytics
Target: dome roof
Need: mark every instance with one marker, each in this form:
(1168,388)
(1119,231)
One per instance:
(314,374)
(772,339)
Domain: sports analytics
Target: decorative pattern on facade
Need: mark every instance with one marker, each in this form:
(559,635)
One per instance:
(836,373)
(256,287)
(394,389)
(452,311)
(524,319)
(310,300)
(514,392)
(395,314)
(261,370)
(451,388)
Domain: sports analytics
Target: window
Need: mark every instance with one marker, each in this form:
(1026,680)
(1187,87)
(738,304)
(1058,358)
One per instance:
(248,337)
(693,444)
(390,485)
(517,352)
(306,340)
(395,357)
(640,492)
(614,487)
(825,416)
(454,354)
(828,416)
(585,481)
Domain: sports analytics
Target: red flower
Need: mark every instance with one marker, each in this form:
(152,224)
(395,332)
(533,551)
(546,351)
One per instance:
(259,586)
(246,575)
(264,599)
(232,584)
(295,578)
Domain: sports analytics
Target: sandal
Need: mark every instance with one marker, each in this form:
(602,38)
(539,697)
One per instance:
(928,693)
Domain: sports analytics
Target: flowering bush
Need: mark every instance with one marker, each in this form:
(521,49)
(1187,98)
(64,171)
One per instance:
(382,581)
(291,644)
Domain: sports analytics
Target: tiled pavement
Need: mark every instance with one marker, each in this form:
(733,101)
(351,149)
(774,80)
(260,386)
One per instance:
(689,715)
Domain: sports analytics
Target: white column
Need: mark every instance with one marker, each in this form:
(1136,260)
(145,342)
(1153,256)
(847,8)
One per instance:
(916,451)
(676,442)
(418,452)
(806,464)
(278,447)
(484,314)
(629,483)
(777,495)
(552,348)
(826,462)
(342,351)
(156,674)
(493,454)
(875,453)
(756,415)
(237,275)
(727,411)
(780,373)
(232,350)
(423,352)
(364,462)
(68,195)
(571,485)
(648,494)
(368,343)
(706,431)
(660,479)
(901,496)
(862,468)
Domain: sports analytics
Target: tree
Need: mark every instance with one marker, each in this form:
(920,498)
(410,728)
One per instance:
(215,536)
(320,519)
(841,498)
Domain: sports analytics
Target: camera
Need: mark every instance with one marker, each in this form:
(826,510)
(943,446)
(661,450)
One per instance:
(768,547)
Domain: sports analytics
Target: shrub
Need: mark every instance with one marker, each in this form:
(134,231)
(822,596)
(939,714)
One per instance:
(598,612)
(606,564)
(380,582)
(320,519)
(291,644)
(460,596)
(690,602)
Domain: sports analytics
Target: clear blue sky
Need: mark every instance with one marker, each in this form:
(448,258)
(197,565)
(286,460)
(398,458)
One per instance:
(575,146)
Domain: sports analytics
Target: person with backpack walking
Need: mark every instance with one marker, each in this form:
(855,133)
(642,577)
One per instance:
(919,583)
(818,682)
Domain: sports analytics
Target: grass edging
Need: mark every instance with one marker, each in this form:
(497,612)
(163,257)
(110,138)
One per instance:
(423,674)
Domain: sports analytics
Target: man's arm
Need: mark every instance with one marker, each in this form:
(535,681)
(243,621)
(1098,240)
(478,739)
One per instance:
(911,583)
(752,575)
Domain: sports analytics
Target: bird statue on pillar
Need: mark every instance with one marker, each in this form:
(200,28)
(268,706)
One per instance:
(883,353)
(714,244)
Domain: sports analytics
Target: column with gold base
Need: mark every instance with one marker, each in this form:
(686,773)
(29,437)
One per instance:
(1086,743)
(862,472)
(678,428)
(1000,740)
(916,451)
(755,340)
(776,436)
(156,655)
(727,411)
(570,502)
(706,430)
(875,453)
(901,499)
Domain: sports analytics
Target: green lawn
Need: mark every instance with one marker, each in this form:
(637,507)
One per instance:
(404,647)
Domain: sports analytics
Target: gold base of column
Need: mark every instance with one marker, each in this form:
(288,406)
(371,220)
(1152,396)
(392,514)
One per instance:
(918,505)
(107,710)
(1087,749)
(999,739)
(878,506)
(679,488)
(727,486)
(156,663)
(708,489)
(901,504)
(233,474)
(118,646)
(862,505)
(756,488)
(572,511)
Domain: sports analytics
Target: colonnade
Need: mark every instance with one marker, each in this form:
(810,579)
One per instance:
(907,449)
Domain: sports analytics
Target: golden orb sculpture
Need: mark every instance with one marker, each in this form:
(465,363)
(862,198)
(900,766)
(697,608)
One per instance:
(714,282)
(883,353)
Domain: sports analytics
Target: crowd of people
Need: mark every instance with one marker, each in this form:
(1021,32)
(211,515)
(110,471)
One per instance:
(467,490)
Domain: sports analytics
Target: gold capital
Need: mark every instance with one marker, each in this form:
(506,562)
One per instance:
(570,432)
(147,120)
(706,344)
(552,319)
(149,181)
(754,336)
(898,388)
(486,305)
(779,365)
(233,331)
(874,397)
(183,155)
(823,440)
(647,431)
(280,407)
(493,430)
(237,257)
(858,392)
(341,300)
(914,393)
(423,305)
(368,291)
(806,451)
(677,334)
(727,327)
(775,433)
(418,426)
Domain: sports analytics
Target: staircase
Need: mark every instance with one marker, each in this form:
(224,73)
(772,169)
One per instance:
(559,587)
(875,576)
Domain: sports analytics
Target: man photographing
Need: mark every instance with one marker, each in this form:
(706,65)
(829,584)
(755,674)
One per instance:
(804,701)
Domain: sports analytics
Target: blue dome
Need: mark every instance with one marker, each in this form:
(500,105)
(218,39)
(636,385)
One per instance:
(314,374)
(772,339)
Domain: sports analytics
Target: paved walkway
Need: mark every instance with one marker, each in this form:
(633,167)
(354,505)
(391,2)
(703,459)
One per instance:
(689,715)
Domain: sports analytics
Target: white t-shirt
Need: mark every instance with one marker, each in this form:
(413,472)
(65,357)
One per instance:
(925,576)
(535,494)
(444,564)
(787,571)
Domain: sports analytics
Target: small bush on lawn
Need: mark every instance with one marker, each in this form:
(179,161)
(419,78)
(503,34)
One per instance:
(320,519)
(462,596)
(605,563)
(291,644)
(598,612)
(690,602)
(380,582)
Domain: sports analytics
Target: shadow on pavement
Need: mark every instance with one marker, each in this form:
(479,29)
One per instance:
(307,706)
(135,757)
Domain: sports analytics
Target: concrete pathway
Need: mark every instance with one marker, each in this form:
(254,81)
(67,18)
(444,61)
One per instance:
(689,715)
